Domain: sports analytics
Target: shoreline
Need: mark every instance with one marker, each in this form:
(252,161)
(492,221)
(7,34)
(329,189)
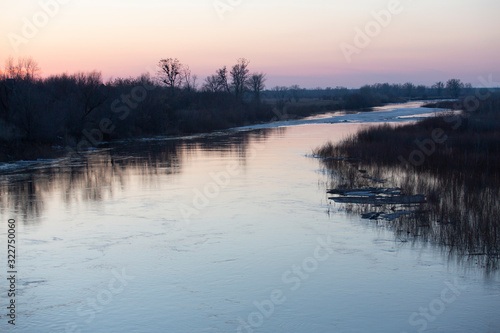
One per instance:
(382,114)
(374,116)
(449,163)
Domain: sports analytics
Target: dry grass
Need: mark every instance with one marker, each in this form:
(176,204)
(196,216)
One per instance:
(460,178)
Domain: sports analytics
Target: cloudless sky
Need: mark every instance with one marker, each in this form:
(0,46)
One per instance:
(293,42)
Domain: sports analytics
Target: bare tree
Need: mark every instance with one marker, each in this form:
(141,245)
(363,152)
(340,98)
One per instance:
(217,82)
(24,68)
(147,81)
(409,88)
(256,83)
(32,68)
(239,76)
(468,89)
(187,78)
(221,75)
(211,84)
(295,90)
(11,69)
(454,87)
(170,73)
(194,84)
(439,87)
(90,91)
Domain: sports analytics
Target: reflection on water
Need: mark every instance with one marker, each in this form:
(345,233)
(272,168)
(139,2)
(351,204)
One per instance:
(458,216)
(116,211)
(96,175)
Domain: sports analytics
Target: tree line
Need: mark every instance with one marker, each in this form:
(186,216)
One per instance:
(62,110)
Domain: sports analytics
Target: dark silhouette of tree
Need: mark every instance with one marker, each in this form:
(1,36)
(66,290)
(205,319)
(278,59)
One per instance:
(189,80)
(454,87)
(31,68)
(91,91)
(26,108)
(6,89)
(439,88)
(468,89)
(295,91)
(256,83)
(280,95)
(11,70)
(217,82)
(365,90)
(24,69)
(341,91)
(65,109)
(170,73)
(421,91)
(409,88)
(357,101)
(239,76)
(222,81)
(211,84)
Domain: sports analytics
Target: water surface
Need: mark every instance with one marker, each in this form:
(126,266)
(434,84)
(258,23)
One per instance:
(231,232)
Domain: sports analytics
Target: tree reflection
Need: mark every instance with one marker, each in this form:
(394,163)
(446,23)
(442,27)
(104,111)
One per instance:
(459,216)
(95,176)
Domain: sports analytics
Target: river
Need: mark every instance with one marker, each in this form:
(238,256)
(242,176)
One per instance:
(227,232)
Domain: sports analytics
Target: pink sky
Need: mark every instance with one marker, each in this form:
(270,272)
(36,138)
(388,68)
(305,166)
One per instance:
(297,42)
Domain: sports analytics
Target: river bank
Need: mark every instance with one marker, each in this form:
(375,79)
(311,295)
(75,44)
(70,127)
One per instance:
(452,160)
(393,112)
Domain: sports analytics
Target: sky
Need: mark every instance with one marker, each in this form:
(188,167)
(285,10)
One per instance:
(312,43)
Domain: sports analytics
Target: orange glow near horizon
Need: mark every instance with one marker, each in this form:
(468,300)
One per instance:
(290,42)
